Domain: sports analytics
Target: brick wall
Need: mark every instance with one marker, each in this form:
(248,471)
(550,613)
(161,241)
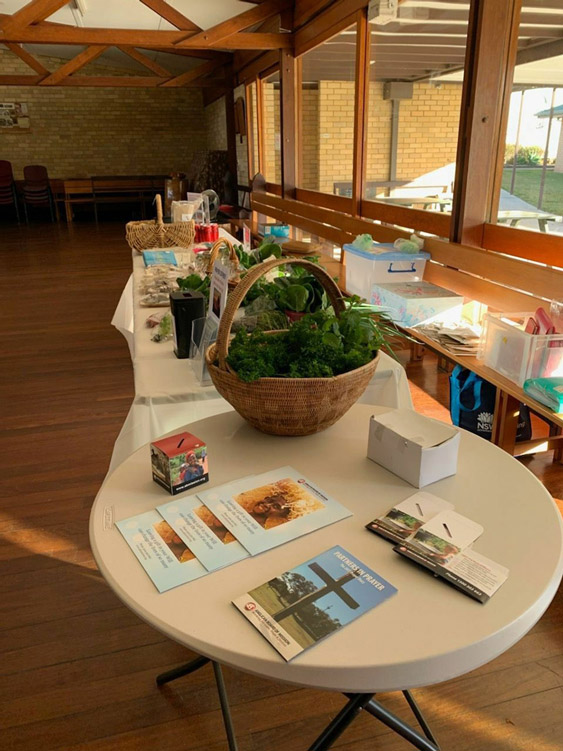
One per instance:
(216,125)
(271,135)
(99,131)
(427,137)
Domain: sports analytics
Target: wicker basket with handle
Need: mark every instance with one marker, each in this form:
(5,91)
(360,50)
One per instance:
(233,258)
(156,234)
(285,406)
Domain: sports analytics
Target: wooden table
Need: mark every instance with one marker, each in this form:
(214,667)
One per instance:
(514,218)
(110,189)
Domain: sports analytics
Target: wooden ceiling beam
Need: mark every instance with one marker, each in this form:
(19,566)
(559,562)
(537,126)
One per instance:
(28,58)
(146,61)
(170,14)
(86,56)
(164,40)
(33,12)
(225,57)
(20,80)
(192,75)
(222,31)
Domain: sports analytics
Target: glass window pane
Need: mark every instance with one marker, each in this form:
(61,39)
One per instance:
(531,195)
(241,144)
(271,128)
(327,115)
(414,104)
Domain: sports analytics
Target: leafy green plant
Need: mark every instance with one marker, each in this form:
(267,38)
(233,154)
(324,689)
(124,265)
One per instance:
(526,155)
(256,256)
(195,283)
(320,345)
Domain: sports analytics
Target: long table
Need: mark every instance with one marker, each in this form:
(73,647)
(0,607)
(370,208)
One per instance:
(168,393)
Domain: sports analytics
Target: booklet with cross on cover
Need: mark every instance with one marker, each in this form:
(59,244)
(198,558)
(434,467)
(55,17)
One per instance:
(300,607)
(266,510)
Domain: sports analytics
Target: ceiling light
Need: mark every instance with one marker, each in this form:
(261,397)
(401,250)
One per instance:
(382,12)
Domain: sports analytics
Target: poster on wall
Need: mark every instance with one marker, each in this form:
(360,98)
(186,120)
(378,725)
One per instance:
(13,115)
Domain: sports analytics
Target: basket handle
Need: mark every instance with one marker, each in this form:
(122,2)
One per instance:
(158,201)
(238,294)
(215,252)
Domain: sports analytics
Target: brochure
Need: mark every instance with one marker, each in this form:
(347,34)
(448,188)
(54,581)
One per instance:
(157,257)
(218,290)
(203,533)
(404,519)
(266,510)
(443,546)
(302,606)
(161,552)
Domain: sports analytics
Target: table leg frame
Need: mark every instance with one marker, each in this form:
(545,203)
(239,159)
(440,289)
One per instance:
(191,667)
(357,702)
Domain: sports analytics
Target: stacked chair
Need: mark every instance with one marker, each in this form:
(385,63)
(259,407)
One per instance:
(37,190)
(8,194)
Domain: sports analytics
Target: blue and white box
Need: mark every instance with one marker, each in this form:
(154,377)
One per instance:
(382,264)
(413,303)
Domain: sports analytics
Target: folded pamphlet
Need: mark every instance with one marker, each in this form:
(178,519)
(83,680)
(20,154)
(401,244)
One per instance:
(304,605)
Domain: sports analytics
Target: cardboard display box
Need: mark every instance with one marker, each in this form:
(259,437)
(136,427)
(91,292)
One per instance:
(416,448)
(411,303)
(179,462)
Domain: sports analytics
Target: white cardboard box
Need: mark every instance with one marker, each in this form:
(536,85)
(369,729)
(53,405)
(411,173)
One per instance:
(418,449)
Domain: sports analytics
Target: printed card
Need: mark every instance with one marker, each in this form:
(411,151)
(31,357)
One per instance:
(218,290)
(300,607)
(160,551)
(204,534)
(406,518)
(269,509)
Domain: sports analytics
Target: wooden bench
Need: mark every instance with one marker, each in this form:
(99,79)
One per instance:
(111,189)
(496,280)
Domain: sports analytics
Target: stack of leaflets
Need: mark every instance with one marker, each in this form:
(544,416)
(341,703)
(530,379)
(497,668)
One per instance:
(159,257)
(190,536)
(429,532)
(458,339)
(300,607)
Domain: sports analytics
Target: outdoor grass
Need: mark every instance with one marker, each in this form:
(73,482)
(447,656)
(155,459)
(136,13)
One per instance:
(527,187)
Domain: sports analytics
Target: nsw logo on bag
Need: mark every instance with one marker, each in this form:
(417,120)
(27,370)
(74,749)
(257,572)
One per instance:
(485,422)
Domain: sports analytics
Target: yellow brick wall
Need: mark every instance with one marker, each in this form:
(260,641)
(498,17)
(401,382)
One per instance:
(100,131)
(216,125)
(271,135)
(427,138)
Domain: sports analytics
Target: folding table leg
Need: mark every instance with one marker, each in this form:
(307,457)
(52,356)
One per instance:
(189,667)
(402,728)
(347,715)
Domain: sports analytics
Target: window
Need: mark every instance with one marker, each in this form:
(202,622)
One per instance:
(414,103)
(271,128)
(327,115)
(531,191)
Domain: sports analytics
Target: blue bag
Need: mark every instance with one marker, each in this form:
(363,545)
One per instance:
(472,405)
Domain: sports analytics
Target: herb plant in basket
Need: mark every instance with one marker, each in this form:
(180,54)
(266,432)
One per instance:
(301,380)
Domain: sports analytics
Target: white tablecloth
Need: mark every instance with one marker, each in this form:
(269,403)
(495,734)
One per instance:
(168,393)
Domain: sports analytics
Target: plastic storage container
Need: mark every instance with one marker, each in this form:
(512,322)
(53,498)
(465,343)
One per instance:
(413,303)
(384,264)
(509,350)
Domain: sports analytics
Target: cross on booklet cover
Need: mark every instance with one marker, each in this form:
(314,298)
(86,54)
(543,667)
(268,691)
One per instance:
(300,607)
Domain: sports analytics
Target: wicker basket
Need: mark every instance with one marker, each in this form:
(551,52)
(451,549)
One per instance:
(215,248)
(143,235)
(285,406)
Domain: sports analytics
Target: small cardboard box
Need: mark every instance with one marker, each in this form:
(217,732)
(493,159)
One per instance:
(416,448)
(179,462)
(411,303)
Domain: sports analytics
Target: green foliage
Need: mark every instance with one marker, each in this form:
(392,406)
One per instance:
(194,283)
(320,345)
(527,155)
(256,256)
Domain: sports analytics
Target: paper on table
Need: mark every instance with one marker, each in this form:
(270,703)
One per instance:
(421,430)
(162,554)
(202,532)
(404,519)
(267,510)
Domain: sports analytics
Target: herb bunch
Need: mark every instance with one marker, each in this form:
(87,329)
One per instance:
(320,345)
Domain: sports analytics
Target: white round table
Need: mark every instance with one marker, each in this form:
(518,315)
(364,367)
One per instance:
(425,634)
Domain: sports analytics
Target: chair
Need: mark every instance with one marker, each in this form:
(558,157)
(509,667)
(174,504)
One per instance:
(8,194)
(37,190)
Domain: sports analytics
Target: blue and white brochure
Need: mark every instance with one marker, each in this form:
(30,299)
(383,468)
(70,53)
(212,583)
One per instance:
(300,607)
(204,534)
(159,257)
(160,551)
(266,510)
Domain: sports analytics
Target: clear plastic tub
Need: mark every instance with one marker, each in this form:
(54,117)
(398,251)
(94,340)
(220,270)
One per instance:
(384,264)
(509,350)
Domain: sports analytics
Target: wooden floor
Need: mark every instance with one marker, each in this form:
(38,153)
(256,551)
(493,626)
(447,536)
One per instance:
(77,667)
